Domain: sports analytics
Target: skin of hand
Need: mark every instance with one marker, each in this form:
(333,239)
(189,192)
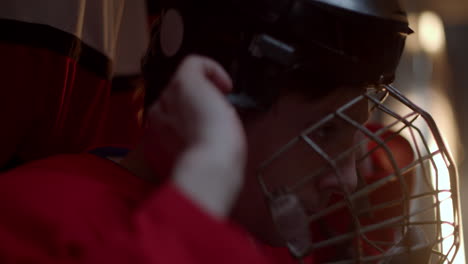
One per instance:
(196,134)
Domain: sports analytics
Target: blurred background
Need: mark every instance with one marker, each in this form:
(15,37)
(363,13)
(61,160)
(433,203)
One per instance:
(434,74)
(71,68)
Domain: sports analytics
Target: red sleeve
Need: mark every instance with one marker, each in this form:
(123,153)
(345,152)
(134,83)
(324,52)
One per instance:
(190,235)
(56,219)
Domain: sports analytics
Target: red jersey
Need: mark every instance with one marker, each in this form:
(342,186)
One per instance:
(86,209)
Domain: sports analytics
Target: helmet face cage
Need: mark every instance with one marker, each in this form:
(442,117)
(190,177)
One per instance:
(405,208)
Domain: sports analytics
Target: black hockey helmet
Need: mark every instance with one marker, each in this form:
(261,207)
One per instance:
(324,42)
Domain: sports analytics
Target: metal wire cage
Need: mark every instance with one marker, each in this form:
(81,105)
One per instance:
(405,208)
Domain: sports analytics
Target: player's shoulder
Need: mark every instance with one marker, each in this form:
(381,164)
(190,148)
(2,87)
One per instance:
(65,181)
(60,200)
(60,168)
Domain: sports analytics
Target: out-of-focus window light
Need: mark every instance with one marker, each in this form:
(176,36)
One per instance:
(431,32)
(430,37)
(443,113)
(432,40)
(412,42)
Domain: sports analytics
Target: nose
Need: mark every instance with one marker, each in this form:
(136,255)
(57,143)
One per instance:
(344,179)
(349,178)
(316,195)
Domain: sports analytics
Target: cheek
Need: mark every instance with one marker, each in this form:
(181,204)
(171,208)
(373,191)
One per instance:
(340,142)
(297,164)
(274,130)
(289,165)
(267,138)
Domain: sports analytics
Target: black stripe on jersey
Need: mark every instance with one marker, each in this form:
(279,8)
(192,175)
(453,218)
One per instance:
(61,42)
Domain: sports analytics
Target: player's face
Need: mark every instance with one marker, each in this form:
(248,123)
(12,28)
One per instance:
(271,131)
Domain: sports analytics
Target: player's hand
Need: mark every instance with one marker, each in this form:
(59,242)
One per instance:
(197,133)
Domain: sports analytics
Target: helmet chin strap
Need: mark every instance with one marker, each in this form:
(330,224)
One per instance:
(292,223)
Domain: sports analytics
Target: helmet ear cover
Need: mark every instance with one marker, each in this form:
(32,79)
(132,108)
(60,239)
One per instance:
(312,43)
(205,33)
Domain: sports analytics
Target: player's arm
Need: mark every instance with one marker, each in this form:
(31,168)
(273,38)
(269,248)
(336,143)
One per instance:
(195,130)
(182,222)
(41,224)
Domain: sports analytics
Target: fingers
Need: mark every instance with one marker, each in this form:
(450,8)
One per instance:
(197,76)
(209,69)
(194,105)
(194,114)
(216,73)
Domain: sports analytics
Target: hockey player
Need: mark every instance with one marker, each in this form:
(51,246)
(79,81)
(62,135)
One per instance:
(255,114)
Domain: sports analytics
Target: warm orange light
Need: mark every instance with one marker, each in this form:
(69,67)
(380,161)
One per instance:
(431,32)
